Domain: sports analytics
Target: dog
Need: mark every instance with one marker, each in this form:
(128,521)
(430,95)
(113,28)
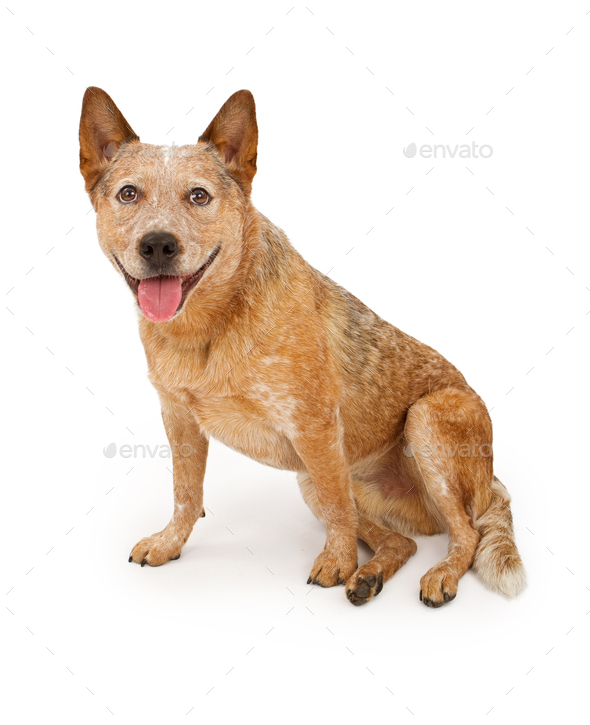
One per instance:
(249,344)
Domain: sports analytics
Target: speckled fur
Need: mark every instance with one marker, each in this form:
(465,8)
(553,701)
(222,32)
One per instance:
(277,361)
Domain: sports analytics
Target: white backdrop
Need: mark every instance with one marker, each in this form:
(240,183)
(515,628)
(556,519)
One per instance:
(485,259)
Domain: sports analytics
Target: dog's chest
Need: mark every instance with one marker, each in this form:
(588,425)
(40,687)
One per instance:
(249,427)
(244,406)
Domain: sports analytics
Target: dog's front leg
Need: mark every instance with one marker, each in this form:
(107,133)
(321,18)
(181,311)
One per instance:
(189,450)
(320,449)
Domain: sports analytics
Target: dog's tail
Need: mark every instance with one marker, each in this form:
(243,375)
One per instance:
(497,560)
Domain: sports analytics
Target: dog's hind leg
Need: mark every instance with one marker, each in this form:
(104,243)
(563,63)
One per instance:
(392,550)
(450,435)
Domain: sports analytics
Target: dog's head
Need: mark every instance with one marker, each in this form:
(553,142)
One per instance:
(165,215)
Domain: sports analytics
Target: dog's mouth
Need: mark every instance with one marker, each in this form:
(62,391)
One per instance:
(161,297)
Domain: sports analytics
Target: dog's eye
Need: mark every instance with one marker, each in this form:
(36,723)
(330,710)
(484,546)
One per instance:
(199,196)
(127,194)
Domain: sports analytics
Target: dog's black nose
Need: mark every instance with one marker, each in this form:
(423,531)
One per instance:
(158,248)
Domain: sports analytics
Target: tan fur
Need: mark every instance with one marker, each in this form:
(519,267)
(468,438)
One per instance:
(497,560)
(277,361)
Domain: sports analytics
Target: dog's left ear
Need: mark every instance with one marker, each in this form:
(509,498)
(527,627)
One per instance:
(234,132)
(103,129)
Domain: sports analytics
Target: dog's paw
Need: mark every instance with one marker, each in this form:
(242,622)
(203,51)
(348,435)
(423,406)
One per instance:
(364,584)
(330,569)
(438,586)
(157,549)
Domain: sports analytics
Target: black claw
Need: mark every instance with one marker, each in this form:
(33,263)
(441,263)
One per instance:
(309,580)
(379,584)
(130,559)
(430,603)
(420,594)
(340,581)
(371,580)
(203,514)
(174,558)
(144,562)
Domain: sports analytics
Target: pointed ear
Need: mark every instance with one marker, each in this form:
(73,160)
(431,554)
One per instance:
(234,132)
(103,129)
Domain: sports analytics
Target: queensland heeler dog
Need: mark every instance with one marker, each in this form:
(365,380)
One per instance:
(248,343)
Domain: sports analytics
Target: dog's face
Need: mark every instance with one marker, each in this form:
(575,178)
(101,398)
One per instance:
(165,215)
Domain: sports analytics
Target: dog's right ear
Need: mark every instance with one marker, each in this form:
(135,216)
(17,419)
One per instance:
(103,129)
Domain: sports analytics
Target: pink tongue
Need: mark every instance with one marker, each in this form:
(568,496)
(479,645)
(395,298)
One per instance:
(159,297)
